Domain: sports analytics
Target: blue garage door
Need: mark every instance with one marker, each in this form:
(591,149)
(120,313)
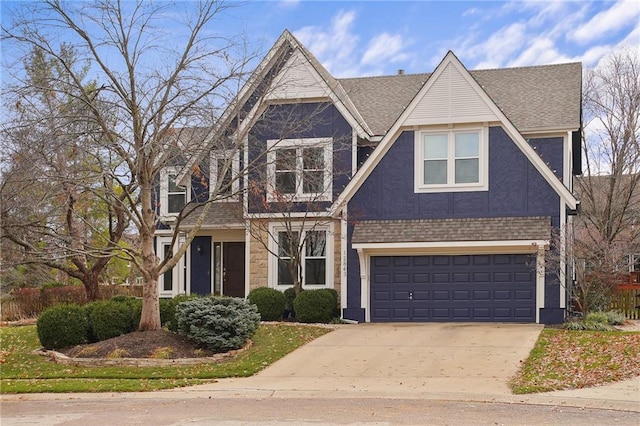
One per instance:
(453,288)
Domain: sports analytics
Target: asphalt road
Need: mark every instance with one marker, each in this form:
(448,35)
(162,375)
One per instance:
(120,410)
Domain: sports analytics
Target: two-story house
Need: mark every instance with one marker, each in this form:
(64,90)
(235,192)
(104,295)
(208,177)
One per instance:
(426,197)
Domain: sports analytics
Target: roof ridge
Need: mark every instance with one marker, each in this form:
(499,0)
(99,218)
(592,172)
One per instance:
(528,66)
(384,76)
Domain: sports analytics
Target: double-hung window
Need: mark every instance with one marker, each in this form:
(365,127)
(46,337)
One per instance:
(172,196)
(451,160)
(225,168)
(299,169)
(311,247)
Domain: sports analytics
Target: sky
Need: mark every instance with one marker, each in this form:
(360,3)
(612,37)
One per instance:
(361,38)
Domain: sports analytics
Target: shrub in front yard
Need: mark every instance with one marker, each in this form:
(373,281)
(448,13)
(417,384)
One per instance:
(270,302)
(112,318)
(314,306)
(168,310)
(597,321)
(62,326)
(220,324)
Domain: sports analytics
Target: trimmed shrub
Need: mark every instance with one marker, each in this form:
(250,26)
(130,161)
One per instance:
(168,310)
(111,319)
(62,326)
(314,306)
(270,302)
(220,324)
(336,299)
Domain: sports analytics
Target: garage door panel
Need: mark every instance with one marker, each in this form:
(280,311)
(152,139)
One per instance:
(453,288)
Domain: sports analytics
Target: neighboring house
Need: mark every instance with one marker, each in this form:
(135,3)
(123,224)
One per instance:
(437,192)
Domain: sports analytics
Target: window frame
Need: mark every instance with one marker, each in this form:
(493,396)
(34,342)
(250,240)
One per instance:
(162,244)
(274,231)
(273,145)
(164,191)
(450,185)
(224,154)
(634,259)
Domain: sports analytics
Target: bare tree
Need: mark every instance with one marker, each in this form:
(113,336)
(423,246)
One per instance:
(607,230)
(158,68)
(56,206)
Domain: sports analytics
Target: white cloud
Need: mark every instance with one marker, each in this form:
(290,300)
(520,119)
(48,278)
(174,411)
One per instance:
(384,48)
(497,49)
(333,47)
(539,52)
(618,16)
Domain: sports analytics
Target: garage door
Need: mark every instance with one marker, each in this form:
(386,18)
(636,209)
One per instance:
(453,288)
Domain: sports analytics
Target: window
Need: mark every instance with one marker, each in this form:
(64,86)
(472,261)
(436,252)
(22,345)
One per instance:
(452,160)
(300,169)
(634,262)
(170,282)
(315,263)
(172,196)
(225,167)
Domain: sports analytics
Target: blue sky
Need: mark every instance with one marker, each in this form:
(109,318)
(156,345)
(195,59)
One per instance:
(356,38)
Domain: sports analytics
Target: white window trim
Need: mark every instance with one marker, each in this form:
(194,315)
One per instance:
(633,258)
(275,144)
(176,271)
(274,228)
(483,164)
(164,190)
(234,155)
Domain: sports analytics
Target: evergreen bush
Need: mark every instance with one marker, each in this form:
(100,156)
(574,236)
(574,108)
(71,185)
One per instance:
(62,326)
(314,306)
(270,302)
(168,310)
(290,296)
(112,318)
(220,324)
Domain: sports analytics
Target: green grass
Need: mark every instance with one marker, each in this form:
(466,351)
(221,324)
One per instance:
(23,372)
(563,359)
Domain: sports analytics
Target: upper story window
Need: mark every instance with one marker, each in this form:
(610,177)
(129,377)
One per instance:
(299,169)
(172,196)
(451,160)
(225,179)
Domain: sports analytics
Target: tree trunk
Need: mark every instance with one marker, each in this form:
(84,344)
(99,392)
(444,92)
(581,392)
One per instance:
(150,317)
(91,288)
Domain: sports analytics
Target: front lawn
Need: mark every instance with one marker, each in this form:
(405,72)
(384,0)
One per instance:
(23,372)
(563,359)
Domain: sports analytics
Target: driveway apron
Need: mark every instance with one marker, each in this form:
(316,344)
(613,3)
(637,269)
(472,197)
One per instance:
(399,360)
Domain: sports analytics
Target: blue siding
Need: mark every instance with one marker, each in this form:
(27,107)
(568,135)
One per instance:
(516,189)
(296,121)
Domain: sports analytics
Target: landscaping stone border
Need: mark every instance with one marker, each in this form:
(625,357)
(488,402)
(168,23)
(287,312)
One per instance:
(139,362)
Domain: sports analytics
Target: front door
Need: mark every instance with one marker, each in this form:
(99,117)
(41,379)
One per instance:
(233,269)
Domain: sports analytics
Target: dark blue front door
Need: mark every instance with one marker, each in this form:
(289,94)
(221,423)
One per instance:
(201,266)
(453,288)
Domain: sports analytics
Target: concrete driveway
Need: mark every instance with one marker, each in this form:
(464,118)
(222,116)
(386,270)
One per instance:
(398,361)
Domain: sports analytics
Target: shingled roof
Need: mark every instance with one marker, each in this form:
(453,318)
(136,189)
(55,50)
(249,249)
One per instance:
(538,98)
(445,230)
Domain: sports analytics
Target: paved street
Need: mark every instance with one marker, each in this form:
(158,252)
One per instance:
(121,410)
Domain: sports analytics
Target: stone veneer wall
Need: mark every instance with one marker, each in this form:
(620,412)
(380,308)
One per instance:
(258,256)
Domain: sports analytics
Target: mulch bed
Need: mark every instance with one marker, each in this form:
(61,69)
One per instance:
(141,344)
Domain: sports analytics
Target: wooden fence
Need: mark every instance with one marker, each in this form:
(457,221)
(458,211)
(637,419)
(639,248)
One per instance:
(628,301)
